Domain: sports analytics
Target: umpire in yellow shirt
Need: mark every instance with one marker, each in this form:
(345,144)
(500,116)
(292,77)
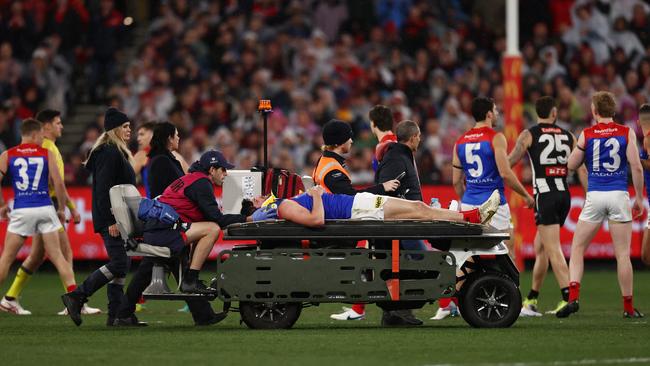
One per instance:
(52,130)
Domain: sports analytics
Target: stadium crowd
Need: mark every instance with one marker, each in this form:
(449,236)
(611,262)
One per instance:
(204,65)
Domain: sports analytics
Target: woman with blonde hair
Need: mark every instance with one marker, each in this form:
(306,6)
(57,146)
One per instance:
(111,163)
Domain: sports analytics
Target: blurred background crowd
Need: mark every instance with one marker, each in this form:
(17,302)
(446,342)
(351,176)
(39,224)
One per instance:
(203,65)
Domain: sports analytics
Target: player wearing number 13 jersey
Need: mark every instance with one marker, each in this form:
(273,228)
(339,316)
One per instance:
(481,165)
(31,168)
(606,149)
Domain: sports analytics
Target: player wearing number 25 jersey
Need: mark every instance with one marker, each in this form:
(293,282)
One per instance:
(606,149)
(481,165)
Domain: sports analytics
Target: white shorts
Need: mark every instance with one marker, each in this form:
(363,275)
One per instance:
(500,221)
(368,206)
(33,220)
(611,205)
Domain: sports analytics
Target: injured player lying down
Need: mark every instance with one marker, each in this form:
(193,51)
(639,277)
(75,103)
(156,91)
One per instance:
(315,206)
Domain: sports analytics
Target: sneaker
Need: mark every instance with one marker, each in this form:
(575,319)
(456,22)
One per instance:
(73,303)
(85,310)
(184,309)
(399,318)
(559,306)
(489,207)
(447,311)
(13,306)
(140,307)
(197,287)
(131,321)
(216,318)
(529,308)
(635,314)
(569,309)
(348,314)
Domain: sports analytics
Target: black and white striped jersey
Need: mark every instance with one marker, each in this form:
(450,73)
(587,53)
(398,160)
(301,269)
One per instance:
(549,154)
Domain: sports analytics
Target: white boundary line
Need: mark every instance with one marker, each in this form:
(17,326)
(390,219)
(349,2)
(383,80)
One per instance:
(613,361)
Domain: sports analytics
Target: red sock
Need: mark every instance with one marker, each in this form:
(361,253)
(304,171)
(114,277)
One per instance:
(472,216)
(71,288)
(359,308)
(444,302)
(141,300)
(627,304)
(574,291)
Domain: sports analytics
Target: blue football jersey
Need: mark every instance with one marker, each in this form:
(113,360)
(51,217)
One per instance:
(476,155)
(29,175)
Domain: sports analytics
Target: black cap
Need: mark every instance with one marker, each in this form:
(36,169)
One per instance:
(114,118)
(336,132)
(214,158)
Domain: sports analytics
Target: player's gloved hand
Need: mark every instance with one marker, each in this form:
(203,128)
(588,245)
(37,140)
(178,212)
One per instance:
(264,213)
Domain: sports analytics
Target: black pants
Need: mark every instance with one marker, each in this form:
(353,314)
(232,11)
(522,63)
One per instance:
(113,273)
(200,308)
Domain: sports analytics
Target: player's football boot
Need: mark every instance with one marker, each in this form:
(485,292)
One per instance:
(13,306)
(559,306)
(348,314)
(635,314)
(570,308)
(529,308)
(489,207)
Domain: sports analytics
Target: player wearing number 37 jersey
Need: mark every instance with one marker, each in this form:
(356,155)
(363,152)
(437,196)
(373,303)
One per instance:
(31,167)
(606,149)
(481,165)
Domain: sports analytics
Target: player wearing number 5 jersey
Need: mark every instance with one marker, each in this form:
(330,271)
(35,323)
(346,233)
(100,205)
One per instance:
(31,167)
(481,165)
(606,149)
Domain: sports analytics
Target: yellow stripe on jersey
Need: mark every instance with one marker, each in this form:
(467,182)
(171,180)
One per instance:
(49,144)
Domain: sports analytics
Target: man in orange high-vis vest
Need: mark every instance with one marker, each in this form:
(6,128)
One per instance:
(331,173)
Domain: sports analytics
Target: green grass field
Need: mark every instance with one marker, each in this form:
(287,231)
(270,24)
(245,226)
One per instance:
(596,335)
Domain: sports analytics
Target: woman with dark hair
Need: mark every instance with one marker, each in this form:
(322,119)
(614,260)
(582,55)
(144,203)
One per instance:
(163,166)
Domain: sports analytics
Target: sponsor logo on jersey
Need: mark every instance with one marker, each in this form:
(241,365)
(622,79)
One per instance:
(26,150)
(474,136)
(551,130)
(556,171)
(605,131)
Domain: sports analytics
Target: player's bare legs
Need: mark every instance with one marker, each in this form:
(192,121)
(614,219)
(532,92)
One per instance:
(552,251)
(53,249)
(13,242)
(621,237)
(540,268)
(645,247)
(585,231)
(397,208)
(36,255)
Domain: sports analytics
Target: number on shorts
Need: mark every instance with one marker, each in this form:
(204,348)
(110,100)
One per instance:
(471,159)
(22,165)
(613,154)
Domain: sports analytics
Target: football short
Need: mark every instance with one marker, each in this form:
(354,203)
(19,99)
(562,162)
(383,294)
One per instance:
(500,221)
(33,220)
(612,205)
(552,208)
(368,206)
